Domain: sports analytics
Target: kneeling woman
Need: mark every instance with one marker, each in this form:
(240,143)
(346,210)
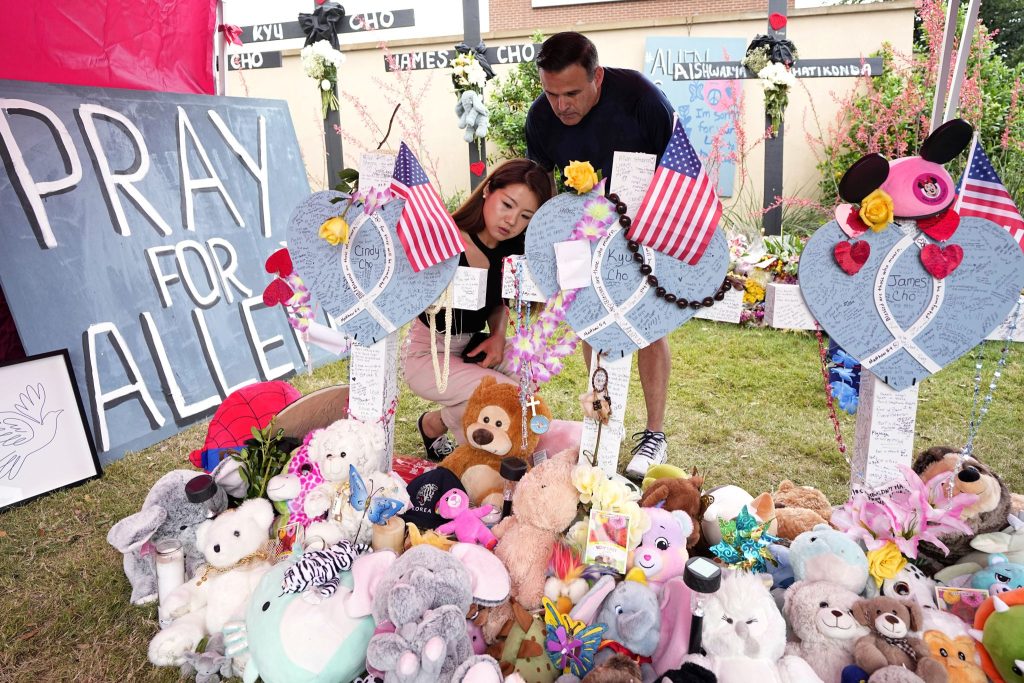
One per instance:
(492,222)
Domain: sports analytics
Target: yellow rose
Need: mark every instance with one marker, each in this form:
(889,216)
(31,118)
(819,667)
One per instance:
(876,210)
(335,231)
(885,562)
(585,478)
(580,176)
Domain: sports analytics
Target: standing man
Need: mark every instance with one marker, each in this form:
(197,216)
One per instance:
(587,113)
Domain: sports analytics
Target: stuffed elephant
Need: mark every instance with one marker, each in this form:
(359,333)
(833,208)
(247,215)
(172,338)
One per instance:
(166,514)
(209,666)
(425,593)
(473,115)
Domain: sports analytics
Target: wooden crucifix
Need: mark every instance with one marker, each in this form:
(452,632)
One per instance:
(842,67)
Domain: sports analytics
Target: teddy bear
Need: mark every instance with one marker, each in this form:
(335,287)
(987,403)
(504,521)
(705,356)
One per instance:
(493,426)
(464,521)
(824,554)
(167,514)
(662,551)
(744,635)
(988,514)
(799,509)
(543,507)
(957,655)
(234,545)
(820,616)
(335,450)
(676,494)
(890,642)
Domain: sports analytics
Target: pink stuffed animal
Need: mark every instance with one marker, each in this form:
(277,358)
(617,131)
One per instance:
(465,524)
(662,554)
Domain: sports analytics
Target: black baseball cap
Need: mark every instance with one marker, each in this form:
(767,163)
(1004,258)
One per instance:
(425,492)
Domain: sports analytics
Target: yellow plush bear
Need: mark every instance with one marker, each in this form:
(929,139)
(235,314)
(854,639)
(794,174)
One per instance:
(494,430)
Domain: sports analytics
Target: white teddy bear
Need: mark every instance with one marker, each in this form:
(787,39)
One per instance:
(219,592)
(335,449)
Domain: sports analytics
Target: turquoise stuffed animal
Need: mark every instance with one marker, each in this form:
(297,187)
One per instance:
(824,554)
(300,637)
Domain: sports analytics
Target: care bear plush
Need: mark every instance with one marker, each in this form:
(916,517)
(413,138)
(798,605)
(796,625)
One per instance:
(820,616)
(335,450)
(233,545)
(493,426)
(744,635)
(662,551)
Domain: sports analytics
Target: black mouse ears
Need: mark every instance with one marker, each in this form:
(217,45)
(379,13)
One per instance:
(865,176)
(947,141)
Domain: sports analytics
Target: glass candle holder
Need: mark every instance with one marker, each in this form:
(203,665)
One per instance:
(512,470)
(170,573)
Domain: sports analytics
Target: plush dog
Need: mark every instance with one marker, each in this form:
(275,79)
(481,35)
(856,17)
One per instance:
(909,583)
(676,493)
(890,642)
(821,618)
(167,514)
(493,426)
(988,514)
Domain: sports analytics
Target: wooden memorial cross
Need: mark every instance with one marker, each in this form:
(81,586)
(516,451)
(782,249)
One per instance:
(841,67)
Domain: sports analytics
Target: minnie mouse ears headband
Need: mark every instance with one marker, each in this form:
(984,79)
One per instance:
(870,171)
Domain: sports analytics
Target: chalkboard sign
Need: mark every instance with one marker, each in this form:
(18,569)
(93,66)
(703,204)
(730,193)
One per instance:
(135,228)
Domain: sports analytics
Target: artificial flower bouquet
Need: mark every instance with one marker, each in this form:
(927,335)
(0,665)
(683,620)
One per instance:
(754,269)
(599,492)
(320,61)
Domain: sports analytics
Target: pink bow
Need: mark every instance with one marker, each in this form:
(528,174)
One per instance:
(232,33)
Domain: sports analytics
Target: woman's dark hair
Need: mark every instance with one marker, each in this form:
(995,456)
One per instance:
(470,216)
(562,50)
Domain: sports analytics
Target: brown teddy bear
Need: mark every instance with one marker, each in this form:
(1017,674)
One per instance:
(677,493)
(890,643)
(987,515)
(493,426)
(799,509)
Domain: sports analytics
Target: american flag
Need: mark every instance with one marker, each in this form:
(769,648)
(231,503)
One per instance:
(428,234)
(680,211)
(982,194)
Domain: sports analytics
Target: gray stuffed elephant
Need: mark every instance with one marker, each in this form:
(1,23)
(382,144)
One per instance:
(166,513)
(425,594)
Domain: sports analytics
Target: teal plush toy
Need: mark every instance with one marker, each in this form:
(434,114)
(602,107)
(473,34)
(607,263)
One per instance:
(824,554)
(300,637)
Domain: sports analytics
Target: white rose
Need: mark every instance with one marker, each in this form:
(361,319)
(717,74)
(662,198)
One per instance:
(325,84)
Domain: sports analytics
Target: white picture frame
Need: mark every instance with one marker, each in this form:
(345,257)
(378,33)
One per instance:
(45,444)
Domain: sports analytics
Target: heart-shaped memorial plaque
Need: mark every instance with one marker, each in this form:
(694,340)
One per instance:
(368,285)
(893,316)
(619,313)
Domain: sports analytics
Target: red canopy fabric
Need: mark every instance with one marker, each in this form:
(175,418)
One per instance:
(163,45)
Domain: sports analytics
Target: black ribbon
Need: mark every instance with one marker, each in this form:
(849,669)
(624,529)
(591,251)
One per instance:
(780,50)
(480,52)
(323,24)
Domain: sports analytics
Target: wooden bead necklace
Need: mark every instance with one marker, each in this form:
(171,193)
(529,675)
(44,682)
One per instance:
(648,271)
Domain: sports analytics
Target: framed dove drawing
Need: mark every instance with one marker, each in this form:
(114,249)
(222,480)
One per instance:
(45,443)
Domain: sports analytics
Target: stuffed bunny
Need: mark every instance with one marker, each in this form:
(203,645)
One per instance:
(167,514)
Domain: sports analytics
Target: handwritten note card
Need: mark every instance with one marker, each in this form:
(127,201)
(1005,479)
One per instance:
(885,432)
(727,310)
(631,175)
(375,170)
(514,266)
(373,386)
(784,308)
(469,288)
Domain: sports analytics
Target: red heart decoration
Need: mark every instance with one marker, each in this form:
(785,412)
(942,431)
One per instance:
(477,168)
(277,292)
(940,262)
(851,257)
(940,228)
(776,20)
(280,263)
(848,217)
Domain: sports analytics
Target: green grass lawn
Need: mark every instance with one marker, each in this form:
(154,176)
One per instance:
(745,405)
